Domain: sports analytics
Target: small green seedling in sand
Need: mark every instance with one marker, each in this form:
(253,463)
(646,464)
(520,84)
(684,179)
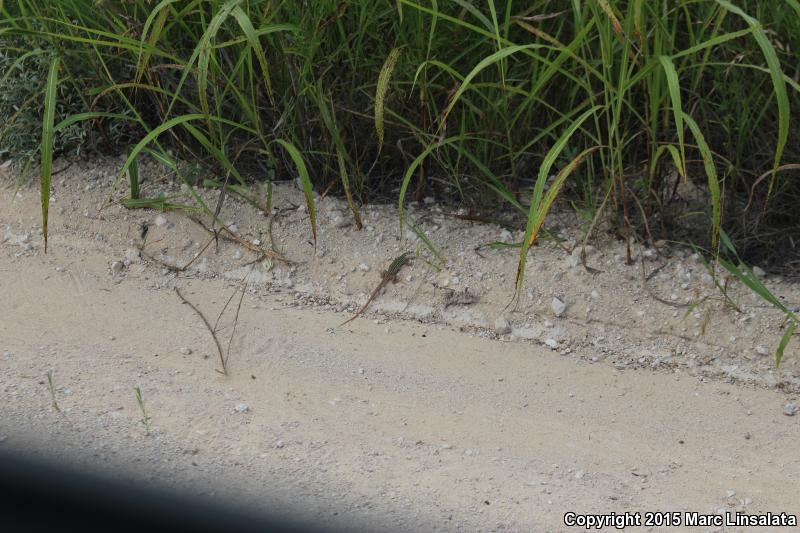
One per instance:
(737,269)
(52,391)
(145,417)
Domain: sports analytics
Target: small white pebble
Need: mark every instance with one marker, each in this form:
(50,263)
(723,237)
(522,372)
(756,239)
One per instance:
(558,307)
(501,325)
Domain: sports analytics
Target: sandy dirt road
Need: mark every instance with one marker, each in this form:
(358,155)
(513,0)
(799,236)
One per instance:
(399,426)
(435,422)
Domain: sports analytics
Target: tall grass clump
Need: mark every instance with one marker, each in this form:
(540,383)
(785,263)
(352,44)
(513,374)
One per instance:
(625,104)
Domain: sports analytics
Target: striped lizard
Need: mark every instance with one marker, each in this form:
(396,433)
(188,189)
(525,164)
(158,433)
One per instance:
(388,275)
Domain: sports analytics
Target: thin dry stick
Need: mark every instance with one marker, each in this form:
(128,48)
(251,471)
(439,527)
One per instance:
(236,315)
(210,330)
(645,276)
(589,232)
(235,322)
(231,236)
(174,268)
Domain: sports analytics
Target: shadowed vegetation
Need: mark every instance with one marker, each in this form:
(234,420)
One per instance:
(677,112)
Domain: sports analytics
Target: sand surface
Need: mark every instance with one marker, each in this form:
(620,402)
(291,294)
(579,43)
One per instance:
(420,417)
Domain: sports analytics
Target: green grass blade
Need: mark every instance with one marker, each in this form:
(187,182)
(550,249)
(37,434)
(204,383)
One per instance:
(422,236)
(752,282)
(204,52)
(133,177)
(713,181)
(252,38)
(341,154)
(305,181)
(401,201)
(48,133)
(152,136)
(91,115)
(537,215)
(218,154)
(484,63)
(787,336)
(677,108)
(714,41)
(778,84)
(677,159)
(158,16)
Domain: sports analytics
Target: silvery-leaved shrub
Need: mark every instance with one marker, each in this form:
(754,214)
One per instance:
(23,73)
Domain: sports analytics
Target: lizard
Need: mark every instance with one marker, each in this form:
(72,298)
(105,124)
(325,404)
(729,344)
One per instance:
(388,275)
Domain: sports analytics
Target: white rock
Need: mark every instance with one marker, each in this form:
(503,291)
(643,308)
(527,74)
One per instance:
(341,222)
(505,235)
(11,238)
(242,408)
(580,474)
(759,272)
(558,307)
(363,267)
(762,350)
(186,351)
(595,295)
(132,255)
(117,267)
(531,333)
(280,444)
(501,325)
(551,343)
(790,409)
(530,293)
(161,221)
(201,267)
